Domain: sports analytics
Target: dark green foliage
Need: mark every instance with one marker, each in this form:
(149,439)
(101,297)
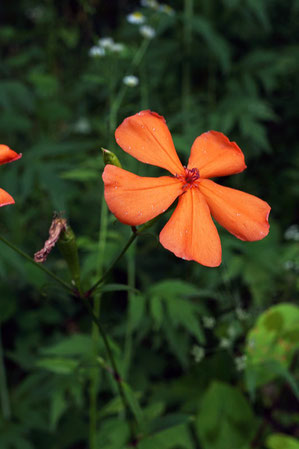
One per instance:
(179,331)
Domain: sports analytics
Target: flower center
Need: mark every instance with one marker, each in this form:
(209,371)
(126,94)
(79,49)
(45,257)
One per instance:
(189,177)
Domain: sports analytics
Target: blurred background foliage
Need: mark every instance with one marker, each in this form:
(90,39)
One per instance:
(209,356)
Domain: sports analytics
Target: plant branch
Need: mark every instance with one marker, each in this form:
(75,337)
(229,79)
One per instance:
(117,258)
(60,281)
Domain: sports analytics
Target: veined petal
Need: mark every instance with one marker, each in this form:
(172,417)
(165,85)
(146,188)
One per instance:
(191,233)
(8,155)
(214,155)
(133,199)
(242,214)
(146,137)
(5,198)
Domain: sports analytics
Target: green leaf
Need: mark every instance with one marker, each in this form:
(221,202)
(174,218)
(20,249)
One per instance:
(136,311)
(118,288)
(281,441)
(58,365)
(182,312)
(77,344)
(215,42)
(133,403)
(165,422)
(271,345)
(178,436)
(225,418)
(156,309)
(174,288)
(57,407)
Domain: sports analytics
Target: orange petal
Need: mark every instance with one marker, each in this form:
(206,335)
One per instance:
(214,155)
(146,137)
(5,198)
(133,199)
(242,214)
(190,233)
(8,155)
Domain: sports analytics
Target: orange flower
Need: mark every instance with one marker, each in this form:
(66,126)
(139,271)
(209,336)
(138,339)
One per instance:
(190,233)
(7,155)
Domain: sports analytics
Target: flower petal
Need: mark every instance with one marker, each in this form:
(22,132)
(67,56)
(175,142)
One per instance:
(146,137)
(191,233)
(133,199)
(242,214)
(5,198)
(8,155)
(214,155)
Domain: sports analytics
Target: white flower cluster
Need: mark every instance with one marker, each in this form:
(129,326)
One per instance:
(37,13)
(131,80)
(154,4)
(292,233)
(105,45)
(225,343)
(208,322)
(82,126)
(137,18)
(242,314)
(240,362)
(198,353)
(290,265)
(147,31)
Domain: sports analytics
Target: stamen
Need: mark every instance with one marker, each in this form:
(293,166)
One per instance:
(190,176)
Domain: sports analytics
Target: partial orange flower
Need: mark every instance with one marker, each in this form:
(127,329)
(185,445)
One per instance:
(190,233)
(7,155)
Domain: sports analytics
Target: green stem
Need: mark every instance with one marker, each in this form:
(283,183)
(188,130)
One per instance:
(114,262)
(131,272)
(116,373)
(5,403)
(186,78)
(38,265)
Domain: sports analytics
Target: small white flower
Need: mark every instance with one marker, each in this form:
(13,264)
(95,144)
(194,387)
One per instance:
(149,4)
(96,51)
(240,362)
(208,322)
(292,233)
(241,314)
(137,18)
(231,332)
(147,31)
(36,13)
(117,48)
(167,10)
(131,80)
(82,126)
(225,343)
(106,42)
(198,353)
(288,265)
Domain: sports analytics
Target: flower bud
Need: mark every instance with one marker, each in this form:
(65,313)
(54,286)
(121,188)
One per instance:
(110,158)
